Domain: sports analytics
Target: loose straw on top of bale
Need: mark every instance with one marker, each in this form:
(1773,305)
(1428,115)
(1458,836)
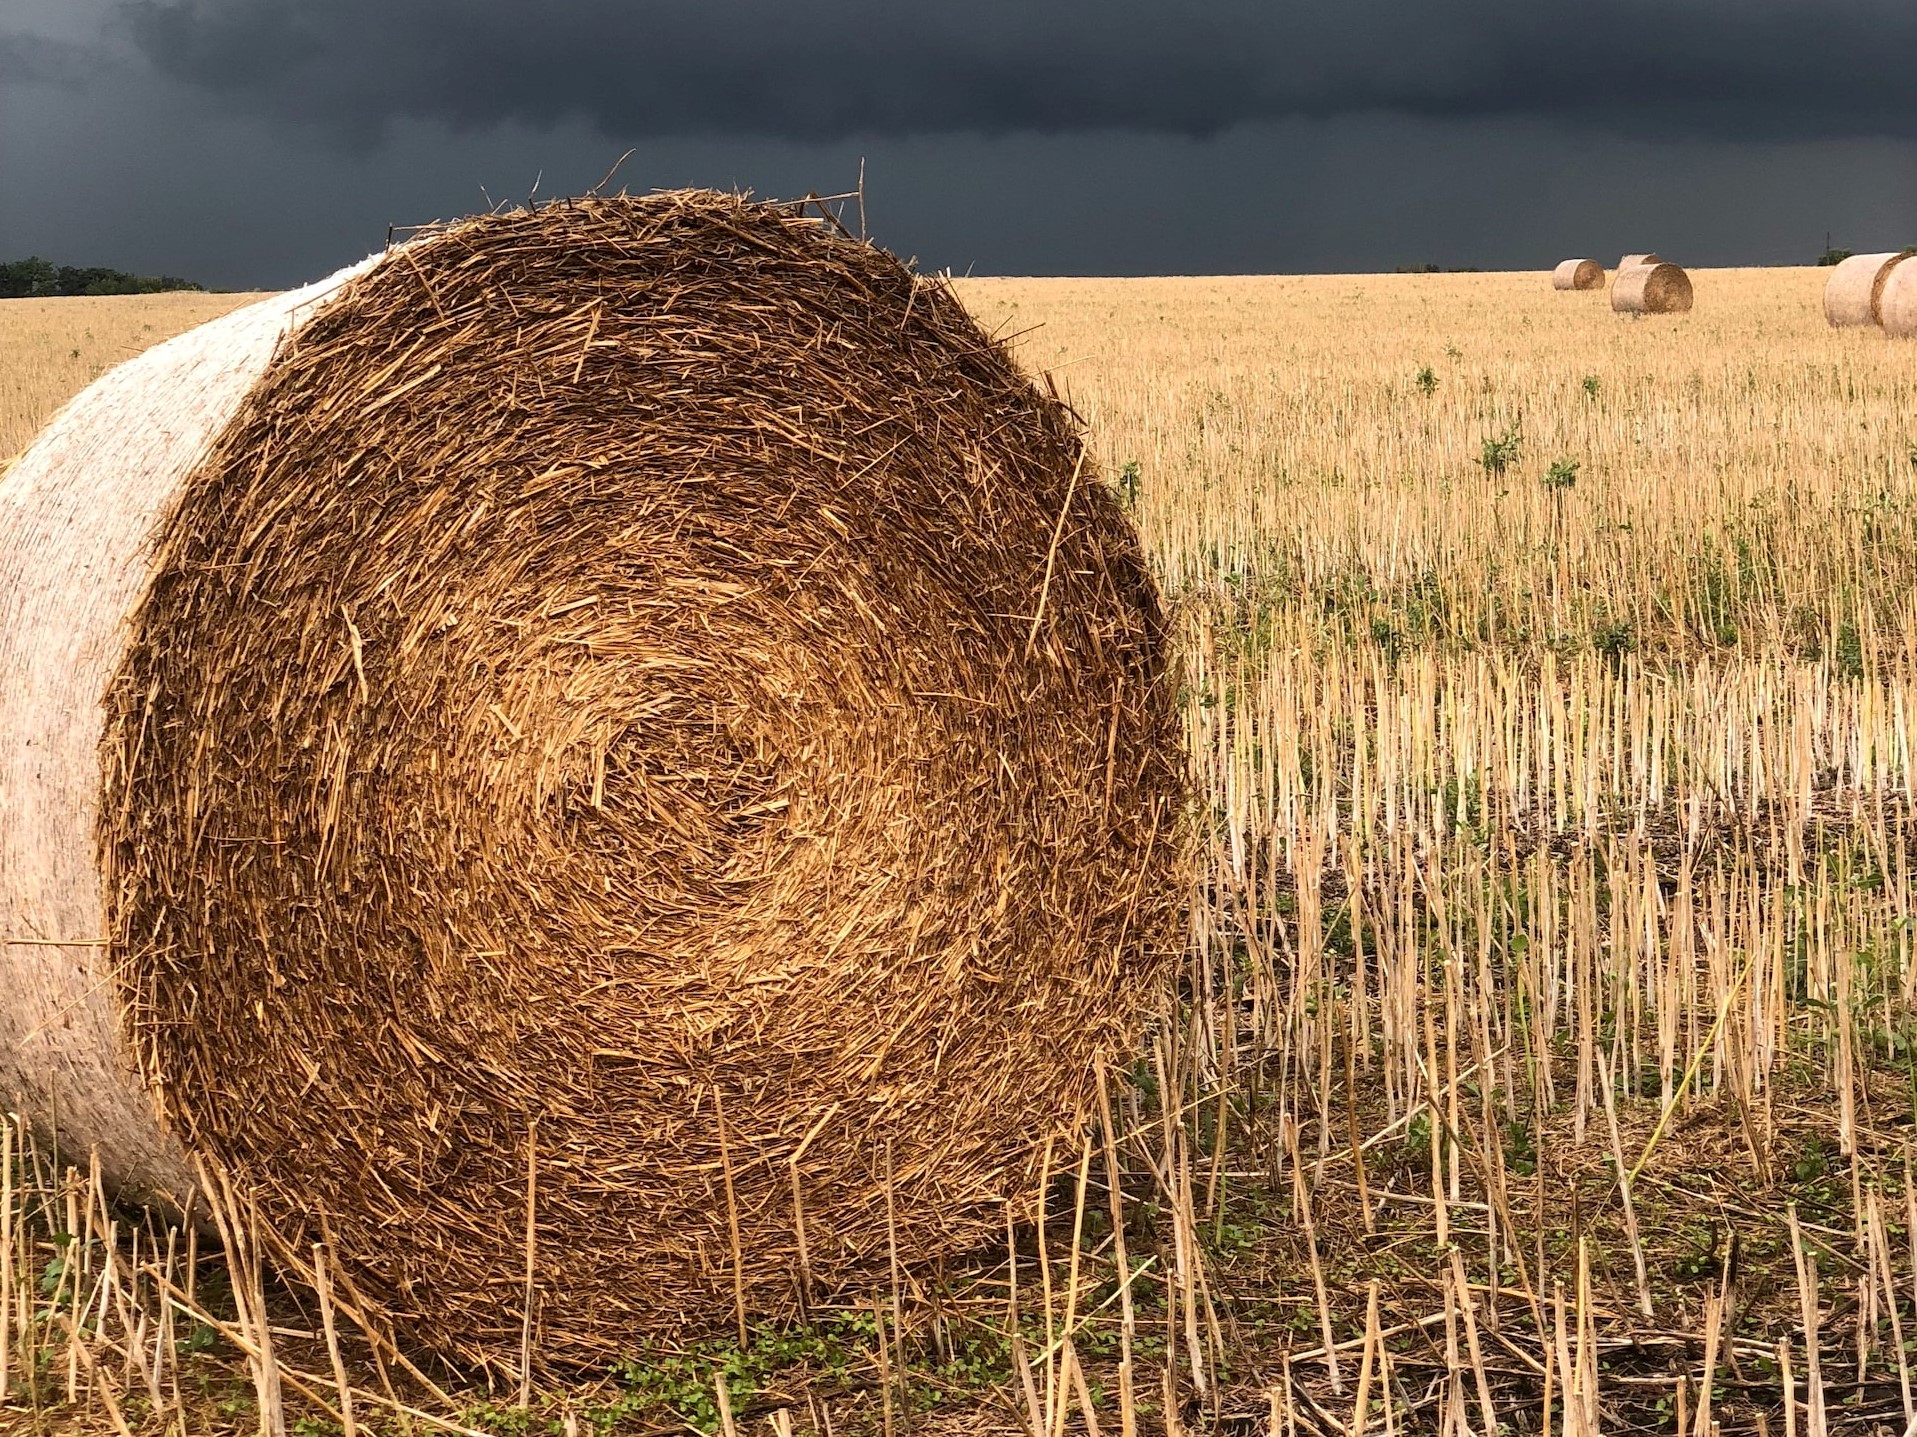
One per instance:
(646,687)
(1854,293)
(1578,274)
(1652,289)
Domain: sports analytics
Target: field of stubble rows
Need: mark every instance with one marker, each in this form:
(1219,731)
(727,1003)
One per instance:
(1544,1050)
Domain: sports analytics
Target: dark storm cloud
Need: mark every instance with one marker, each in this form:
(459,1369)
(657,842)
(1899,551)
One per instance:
(824,71)
(38,60)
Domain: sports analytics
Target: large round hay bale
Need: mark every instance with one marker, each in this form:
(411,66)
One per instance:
(1651,289)
(643,691)
(1854,293)
(1897,302)
(1578,274)
(1634,261)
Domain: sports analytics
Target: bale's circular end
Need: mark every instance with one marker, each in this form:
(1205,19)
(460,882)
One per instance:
(1854,293)
(1652,289)
(648,693)
(1578,274)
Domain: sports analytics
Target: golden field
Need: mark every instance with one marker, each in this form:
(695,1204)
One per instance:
(50,349)
(1544,1054)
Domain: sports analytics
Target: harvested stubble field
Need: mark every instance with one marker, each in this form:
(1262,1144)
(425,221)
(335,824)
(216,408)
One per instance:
(50,349)
(1543,1057)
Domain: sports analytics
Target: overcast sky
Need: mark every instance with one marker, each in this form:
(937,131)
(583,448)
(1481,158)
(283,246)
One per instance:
(264,142)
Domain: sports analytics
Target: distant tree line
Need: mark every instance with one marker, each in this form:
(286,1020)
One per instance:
(1838,256)
(36,278)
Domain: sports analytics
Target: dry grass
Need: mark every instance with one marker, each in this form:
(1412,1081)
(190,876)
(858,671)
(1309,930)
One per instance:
(1543,1054)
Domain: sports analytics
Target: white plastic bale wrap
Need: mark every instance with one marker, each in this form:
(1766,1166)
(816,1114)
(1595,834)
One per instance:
(77,514)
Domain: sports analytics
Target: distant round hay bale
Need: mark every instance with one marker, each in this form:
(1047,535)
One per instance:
(1633,261)
(1854,293)
(1651,289)
(1578,274)
(644,690)
(1897,304)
